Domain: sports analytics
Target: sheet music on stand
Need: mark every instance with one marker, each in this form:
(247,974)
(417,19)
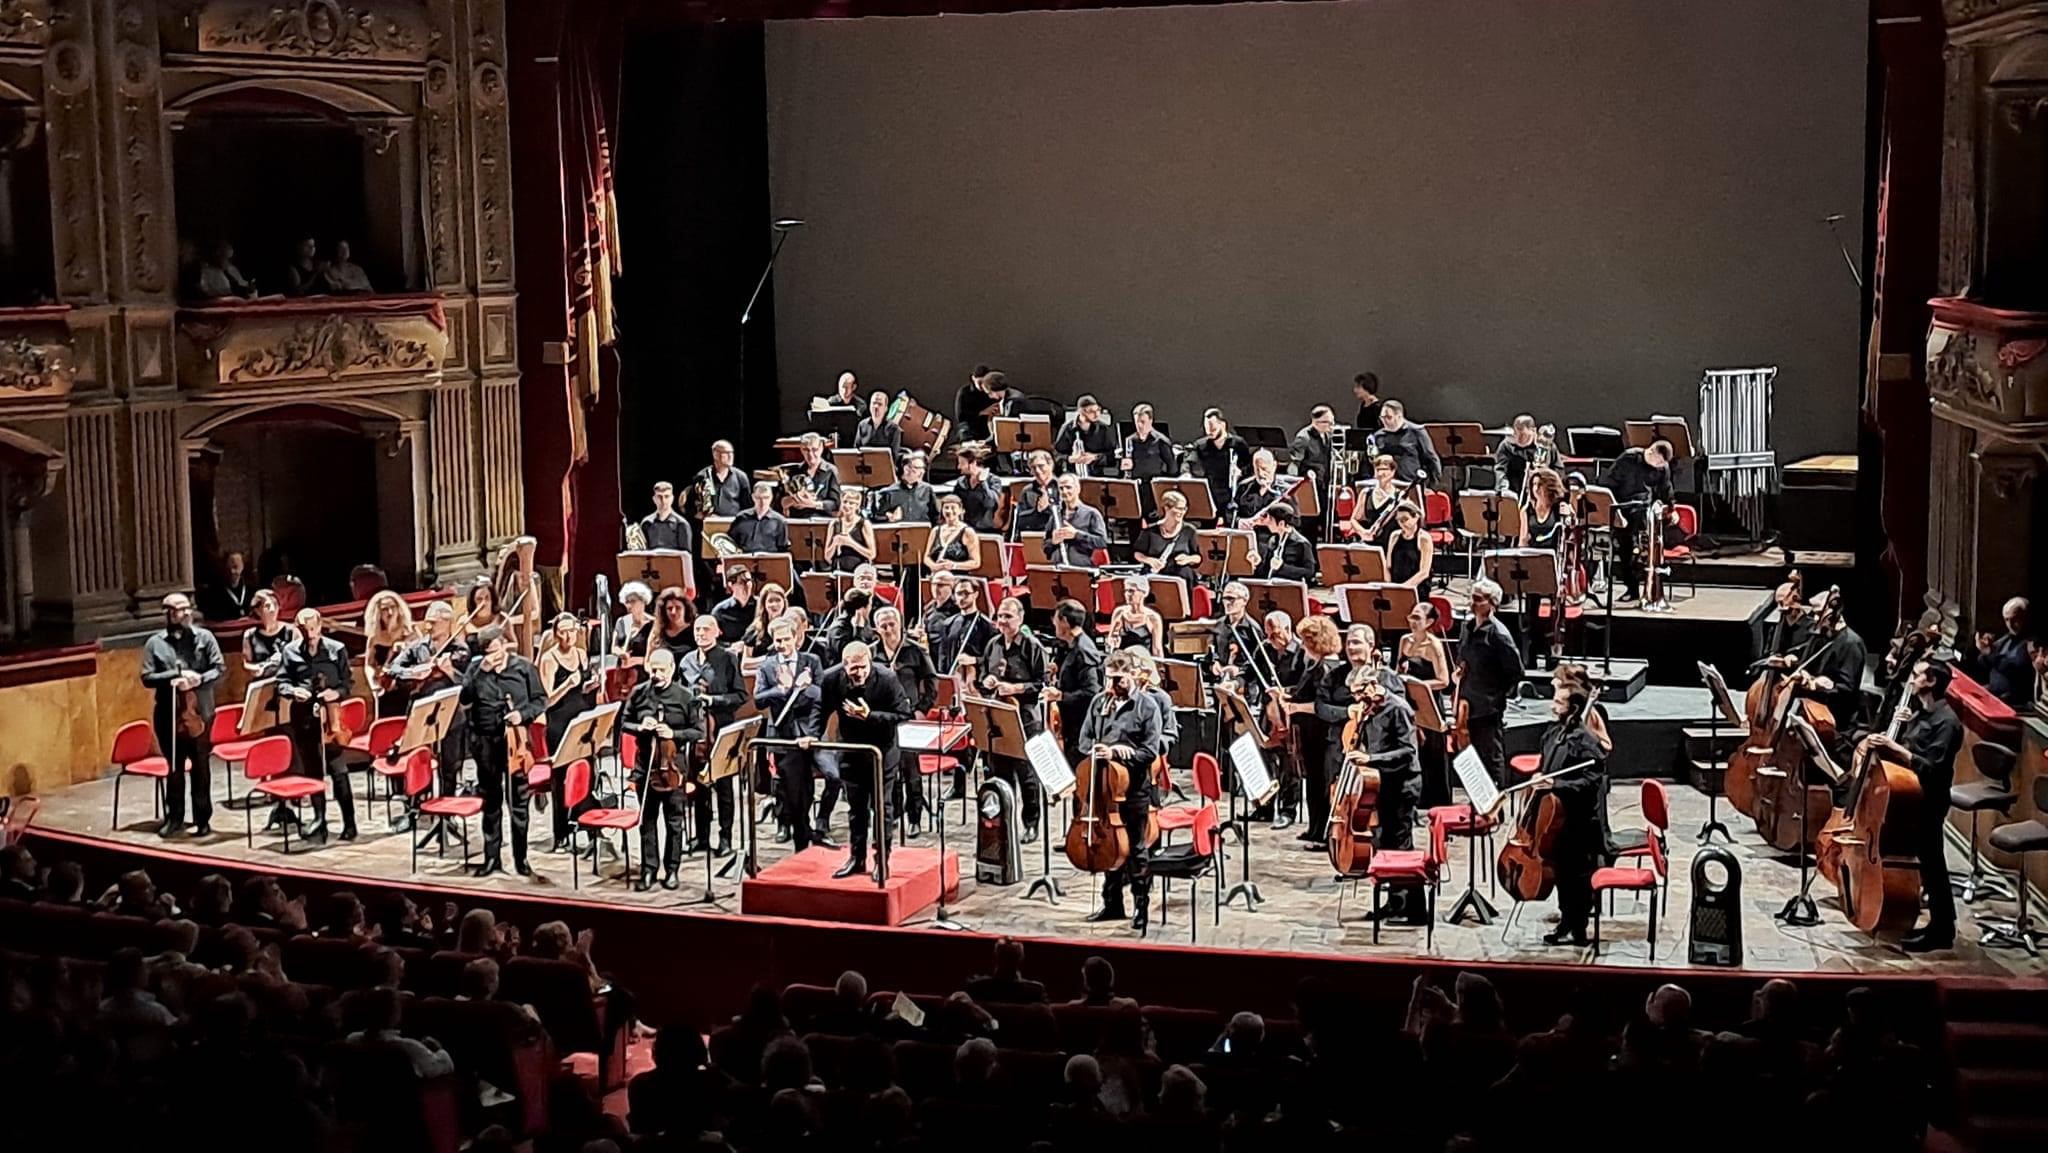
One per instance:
(1055,776)
(1252,777)
(1478,781)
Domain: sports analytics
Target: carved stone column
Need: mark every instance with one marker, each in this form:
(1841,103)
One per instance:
(456,508)
(69,73)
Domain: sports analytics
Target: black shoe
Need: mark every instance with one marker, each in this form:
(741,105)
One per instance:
(348,832)
(1928,940)
(852,866)
(782,835)
(822,841)
(1107,913)
(953,794)
(170,829)
(724,846)
(318,833)
(1262,813)
(669,881)
(913,832)
(561,845)
(1143,917)
(202,829)
(1561,937)
(1306,834)
(646,879)
(522,868)
(490,867)
(700,845)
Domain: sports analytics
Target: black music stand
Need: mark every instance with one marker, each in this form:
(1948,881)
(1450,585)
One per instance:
(1481,793)
(1226,553)
(1384,606)
(997,728)
(1115,497)
(1350,564)
(1799,909)
(837,423)
(1722,704)
(870,468)
(1529,573)
(1255,786)
(1290,597)
(1048,585)
(1194,490)
(657,568)
(1596,509)
(903,544)
(807,537)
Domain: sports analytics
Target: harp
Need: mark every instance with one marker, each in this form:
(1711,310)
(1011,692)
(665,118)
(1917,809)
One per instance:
(518,589)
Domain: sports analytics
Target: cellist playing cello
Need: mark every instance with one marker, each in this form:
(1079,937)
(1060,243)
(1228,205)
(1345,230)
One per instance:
(1576,737)
(1386,734)
(1928,740)
(1123,726)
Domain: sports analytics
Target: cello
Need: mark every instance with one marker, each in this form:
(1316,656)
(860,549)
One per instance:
(1355,796)
(1527,865)
(1097,841)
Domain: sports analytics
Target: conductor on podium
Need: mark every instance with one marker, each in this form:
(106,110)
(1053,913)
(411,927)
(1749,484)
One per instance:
(869,704)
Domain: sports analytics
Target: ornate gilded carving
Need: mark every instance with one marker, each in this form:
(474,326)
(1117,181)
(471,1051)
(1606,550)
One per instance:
(24,21)
(332,347)
(1953,367)
(32,368)
(315,30)
(1990,362)
(1958,172)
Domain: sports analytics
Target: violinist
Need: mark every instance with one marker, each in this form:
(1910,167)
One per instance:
(811,487)
(1122,727)
(1279,552)
(1080,673)
(785,674)
(869,704)
(1571,741)
(1372,513)
(1929,738)
(387,626)
(668,716)
(1224,457)
(316,676)
(1169,548)
(1013,669)
(1422,656)
(570,685)
(852,543)
(713,671)
(920,682)
(959,643)
(979,492)
(429,665)
(1324,647)
(1488,671)
(263,646)
(501,692)
(1234,641)
(1387,738)
(183,661)
(910,498)
(1133,625)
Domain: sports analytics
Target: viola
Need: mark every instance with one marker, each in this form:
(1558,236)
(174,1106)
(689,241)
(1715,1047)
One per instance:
(1097,841)
(518,746)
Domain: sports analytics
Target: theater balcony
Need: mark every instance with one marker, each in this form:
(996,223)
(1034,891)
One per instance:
(312,347)
(36,357)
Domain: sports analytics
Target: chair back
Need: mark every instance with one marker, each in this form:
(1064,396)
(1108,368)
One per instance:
(1994,761)
(1204,830)
(1208,777)
(1436,508)
(1688,519)
(537,736)
(1656,804)
(385,733)
(575,784)
(1442,627)
(1657,860)
(629,748)
(354,713)
(268,757)
(419,771)
(133,742)
(227,724)
(1439,846)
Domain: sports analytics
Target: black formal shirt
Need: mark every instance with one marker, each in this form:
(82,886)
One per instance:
(1254,498)
(490,696)
(822,482)
(963,636)
(1297,557)
(1390,739)
(1216,460)
(1133,722)
(322,666)
(1842,659)
(674,704)
(1151,456)
(729,497)
(1632,478)
(1098,438)
(972,410)
(1369,414)
(1933,735)
(1233,642)
(733,618)
(1312,453)
(887,704)
(174,651)
(1414,456)
(1511,463)
(914,672)
(1493,667)
(1026,516)
(1020,661)
(1153,542)
(760,532)
(413,666)
(915,503)
(884,435)
(670,532)
(716,675)
(1584,792)
(1079,680)
(978,500)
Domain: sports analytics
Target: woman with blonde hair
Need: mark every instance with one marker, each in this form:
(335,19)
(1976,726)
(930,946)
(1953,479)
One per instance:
(387,627)
(570,682)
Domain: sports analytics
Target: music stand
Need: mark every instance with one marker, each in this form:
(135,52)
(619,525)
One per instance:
(1458,441)
(1593,441)
(1722,704)
(426,722)
(1194,490)
(1182,681)
(869,468)
(657,568)
(1169,597)
(1022,433)
(1384,606)
(713,526)
(1307,496)
(935,738)
(1115,496)
(1290,597)
(1048,585)
(1526,572)
(789,450)
(1500,512)
(837,423)
(1038,551)
(807,539)
(768,567)
(1055,781)
(1644,433)
(1348,564)
(1429,712)
(262,707)
(902,544)
(1226,553)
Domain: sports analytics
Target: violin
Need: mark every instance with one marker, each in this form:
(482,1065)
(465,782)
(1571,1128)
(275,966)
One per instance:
(1459,736)
(664,770)
(518,745)
(332,729)
(1097,841)
(191,725)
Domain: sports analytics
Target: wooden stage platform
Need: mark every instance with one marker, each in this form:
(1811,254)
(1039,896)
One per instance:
(1299,916)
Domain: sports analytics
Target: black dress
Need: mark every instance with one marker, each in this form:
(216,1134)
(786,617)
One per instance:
(265,648)
(1134,637)
(954,550)
(1404,556)
(573,702)
(1545,532)
(1436,766)
(1151,542)
(845,559)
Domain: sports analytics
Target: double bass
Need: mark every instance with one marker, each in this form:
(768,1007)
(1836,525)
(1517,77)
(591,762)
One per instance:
(1527,865)
(1868,847)
(1355,796)
(1792,804)
(1759,707)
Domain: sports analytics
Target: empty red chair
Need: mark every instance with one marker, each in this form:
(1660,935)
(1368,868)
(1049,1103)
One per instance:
(1688,527)
(543,771)
(1416,869)
(575,788)
(353,714)
(419,778)
(1201,604)
(1208,784)
(1631,880)
(1190,862)
(135,752)
(1636,842)
(225,742)
(368,751)
(268,767)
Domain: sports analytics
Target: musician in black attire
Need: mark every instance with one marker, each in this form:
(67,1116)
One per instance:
(1415,459)
(1080,673)
(714,673)
(1036,498)
(1388,733)
(317,668)
(1488,671)
(961,638)
(1087,442)
(662,708)
(729,486)
(1928,741)
(1335,701)
(183,659)
(912,666)
(1122,725)
(973,406)
(1280,552)
(1516,455)
(1264,487)
(761,528)
(1366,387)
(1013,669)
(1147,453)
(1793,634)
(1834,675)
(1234,639)
(1287,662)
(1637,478)
(910,498)
(1171,543)
(783,674)
(1581,842)
(870,704)
(1312,452)
(876,430)
(737,610)
(665,527)
(1222,453)
(811,487)
(502,692)
(424,666)
(979,492)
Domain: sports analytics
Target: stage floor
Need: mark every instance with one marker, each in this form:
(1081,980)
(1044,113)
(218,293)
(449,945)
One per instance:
(1300,913)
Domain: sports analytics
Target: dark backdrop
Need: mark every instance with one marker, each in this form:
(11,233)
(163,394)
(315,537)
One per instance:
(1568,208)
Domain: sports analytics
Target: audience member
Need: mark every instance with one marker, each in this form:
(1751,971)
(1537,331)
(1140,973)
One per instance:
(380,1010)
(18,874)
(1004,983)
(1098,985)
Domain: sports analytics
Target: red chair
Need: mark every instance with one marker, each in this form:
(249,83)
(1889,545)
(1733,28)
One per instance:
(575,788)
(1208,784)
(1688,527)
(353,714)
(1460,821)
(1108,595)
(1631,880)
(1201,603)
(419,779)
(368,752)
(543,771)
(226,732)
(1636,842)
(268,767)
(1190,862)
(1444,619)
(1417,869)
(1438,519)
(135,752)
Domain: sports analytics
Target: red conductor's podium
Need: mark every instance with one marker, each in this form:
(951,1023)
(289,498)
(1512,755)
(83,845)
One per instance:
(801,885)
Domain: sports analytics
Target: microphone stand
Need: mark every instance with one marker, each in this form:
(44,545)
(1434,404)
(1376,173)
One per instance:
(747,313)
